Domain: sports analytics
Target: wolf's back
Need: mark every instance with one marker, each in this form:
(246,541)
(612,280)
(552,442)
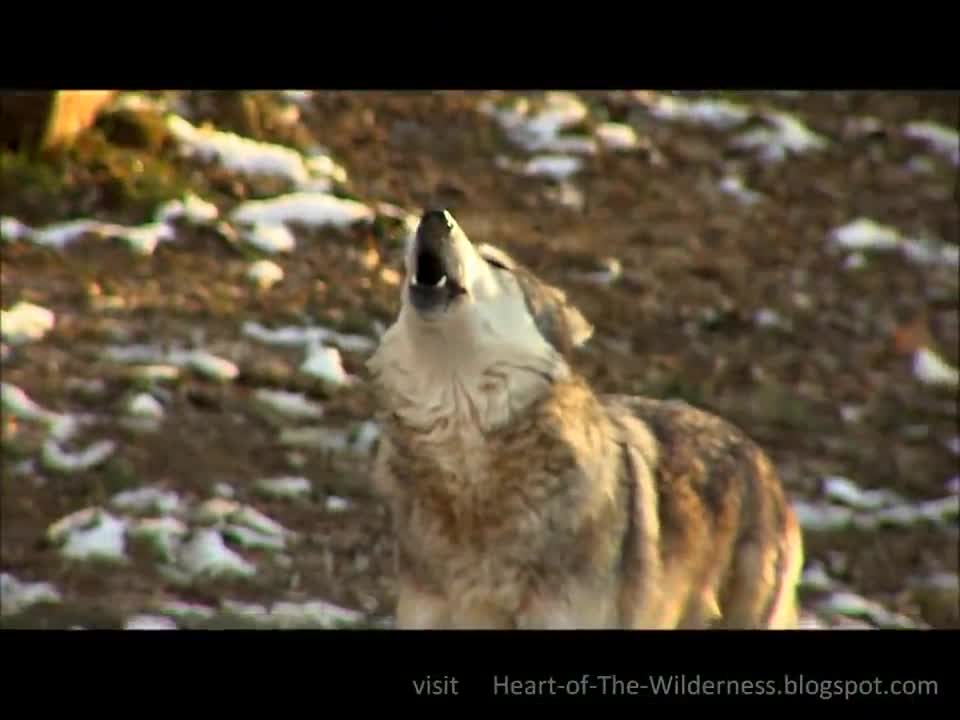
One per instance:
(719,537)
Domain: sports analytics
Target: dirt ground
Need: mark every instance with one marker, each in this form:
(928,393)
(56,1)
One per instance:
(742,309)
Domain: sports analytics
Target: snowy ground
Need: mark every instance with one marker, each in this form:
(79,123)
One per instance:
(185,421)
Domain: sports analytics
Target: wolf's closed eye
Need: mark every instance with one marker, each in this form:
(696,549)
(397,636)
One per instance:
(496,257)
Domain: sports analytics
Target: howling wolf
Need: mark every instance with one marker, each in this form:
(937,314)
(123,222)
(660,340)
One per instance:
(521,498)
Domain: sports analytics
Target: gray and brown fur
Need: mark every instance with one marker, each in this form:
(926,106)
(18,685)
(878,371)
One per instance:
(521,498)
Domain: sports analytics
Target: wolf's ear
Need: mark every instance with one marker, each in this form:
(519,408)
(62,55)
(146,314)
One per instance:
(561,323)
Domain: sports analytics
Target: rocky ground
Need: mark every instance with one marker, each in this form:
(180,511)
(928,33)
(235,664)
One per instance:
(190,292)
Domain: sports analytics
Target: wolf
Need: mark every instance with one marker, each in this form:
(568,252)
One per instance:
(521,498)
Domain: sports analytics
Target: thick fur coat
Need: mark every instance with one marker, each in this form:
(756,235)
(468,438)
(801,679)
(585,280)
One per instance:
(521,498)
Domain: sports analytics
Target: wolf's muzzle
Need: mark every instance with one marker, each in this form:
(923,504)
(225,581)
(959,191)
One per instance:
(432,286)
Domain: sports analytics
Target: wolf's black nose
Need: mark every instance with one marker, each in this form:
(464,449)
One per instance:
(434,225)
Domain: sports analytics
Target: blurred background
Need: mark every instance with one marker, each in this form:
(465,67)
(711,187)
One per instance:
(191,282)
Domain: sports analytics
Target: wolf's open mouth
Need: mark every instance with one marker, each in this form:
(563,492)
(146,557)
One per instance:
(431,287)
(430,270)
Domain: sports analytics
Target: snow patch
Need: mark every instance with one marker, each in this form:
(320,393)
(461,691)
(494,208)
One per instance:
(822,517)
(555,167)
(313,613)
(146,500)
(940,582)
(253,519)
(942,140)
(365,436)
(142,239)
(207,364)
(941,513)
(718,114)
(294,336)
(26,322)
(289,404)
(336,504)
(253,539)
(206,554)
(15,401)
(145,405)
(864,234)
(164,534)
(537,126)
(785,135)
(199,361)
(215,510)
(846,492)
(297,96)
(816,579)
(326,364)
(155,373)
(264,274)
(270,237)
(150,622)
(191,207)
(60,235)
(186,611)
(90,534)
(223,490)
(249,611)
(852,506)
(852,605)
(12,229)
(768,318)
(17,596)
(307,208)
(931,369)
(55,457)
(855,261)
(616,136)
(285,487)
(358,441)
(734,187)
(237,153)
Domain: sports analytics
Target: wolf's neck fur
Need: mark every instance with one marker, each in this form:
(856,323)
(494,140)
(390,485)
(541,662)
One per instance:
(457,393)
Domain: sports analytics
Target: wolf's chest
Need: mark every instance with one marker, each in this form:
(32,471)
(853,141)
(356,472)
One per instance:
(473,506)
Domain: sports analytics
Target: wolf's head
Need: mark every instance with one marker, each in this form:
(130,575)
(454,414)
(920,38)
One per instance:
(473,324)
